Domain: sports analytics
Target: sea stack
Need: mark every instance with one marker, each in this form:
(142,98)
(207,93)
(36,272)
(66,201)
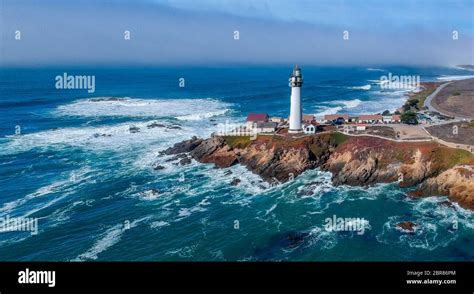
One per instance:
(296,81)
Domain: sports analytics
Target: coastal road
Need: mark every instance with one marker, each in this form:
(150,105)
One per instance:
(429,99)
(431,106)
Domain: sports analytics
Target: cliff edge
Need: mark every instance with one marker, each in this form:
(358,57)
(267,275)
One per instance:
(430,168)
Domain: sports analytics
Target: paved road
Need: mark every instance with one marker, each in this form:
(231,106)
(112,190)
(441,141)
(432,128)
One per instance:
(429,105)
(429,99)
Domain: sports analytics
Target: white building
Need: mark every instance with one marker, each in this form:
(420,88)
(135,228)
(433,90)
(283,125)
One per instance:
(387,119)
(309,129)
(370,118)
(277,119)
(350,128)
(296,81)
(266,127)
(319,119)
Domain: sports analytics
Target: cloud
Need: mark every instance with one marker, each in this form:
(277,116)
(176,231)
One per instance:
(202,32)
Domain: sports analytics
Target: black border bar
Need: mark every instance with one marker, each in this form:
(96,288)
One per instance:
(240,274)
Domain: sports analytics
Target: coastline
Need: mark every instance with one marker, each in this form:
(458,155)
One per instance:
(427,166)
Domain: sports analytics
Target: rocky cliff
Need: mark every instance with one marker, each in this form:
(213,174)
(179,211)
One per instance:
(457,183)
(358,161)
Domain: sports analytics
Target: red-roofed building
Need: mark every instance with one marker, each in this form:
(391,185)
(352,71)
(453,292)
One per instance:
(257,117)
(253,118)
(308,118)
(332,117)
(370,118)
(396,118)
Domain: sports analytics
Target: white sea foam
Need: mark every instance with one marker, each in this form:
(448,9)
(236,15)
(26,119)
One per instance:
(325,110)
(191,109)
(271,209)
(425,235)
(159,224)
(66,186)
(375,69)
(202,116)
(112,137)
(187,211)
(108,239)
(337,106)
(455,78)
(365,87)
(322,238)
(378,82)
(464,68)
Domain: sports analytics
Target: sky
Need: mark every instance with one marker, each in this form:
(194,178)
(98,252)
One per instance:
(202,32)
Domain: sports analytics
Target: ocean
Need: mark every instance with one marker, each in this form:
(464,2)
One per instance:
(74,165)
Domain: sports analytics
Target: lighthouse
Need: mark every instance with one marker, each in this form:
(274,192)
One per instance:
(296,81)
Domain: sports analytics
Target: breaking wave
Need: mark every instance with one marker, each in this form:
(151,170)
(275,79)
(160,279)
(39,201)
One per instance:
(455,78)
(365,87)
(337,106)
(132,107)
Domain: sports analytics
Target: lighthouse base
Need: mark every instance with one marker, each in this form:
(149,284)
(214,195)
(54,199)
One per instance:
(295,131)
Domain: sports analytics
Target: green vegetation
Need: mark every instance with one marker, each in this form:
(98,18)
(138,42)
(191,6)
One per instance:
(412,102)
(470,124)
(317,150)
(386,113)
(400,156)
(423,95)
(456,94)
(338,138)
(417,100)
(237,141)
(448,157)
(409,117)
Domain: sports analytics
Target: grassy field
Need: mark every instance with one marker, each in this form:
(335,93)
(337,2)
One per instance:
(445,132)
(445,157)
(456,99)
(237,141)
(417,100)
(338,138)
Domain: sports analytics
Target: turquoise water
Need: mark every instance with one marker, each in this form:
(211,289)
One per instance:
(88,180)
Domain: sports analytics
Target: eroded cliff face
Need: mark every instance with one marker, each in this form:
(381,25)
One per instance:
(272,158)
(356,161)
(369,160)
(457,183)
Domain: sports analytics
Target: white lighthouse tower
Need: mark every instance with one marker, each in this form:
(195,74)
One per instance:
(296,81)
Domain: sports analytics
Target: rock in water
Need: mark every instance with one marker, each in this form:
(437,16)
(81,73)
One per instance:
(158,167)
(133,129)
(446,203)
(177,157)
(185,161)
(235,182)
(155,125)
(215,150)
(182,147)
(294,239)
(407,226)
